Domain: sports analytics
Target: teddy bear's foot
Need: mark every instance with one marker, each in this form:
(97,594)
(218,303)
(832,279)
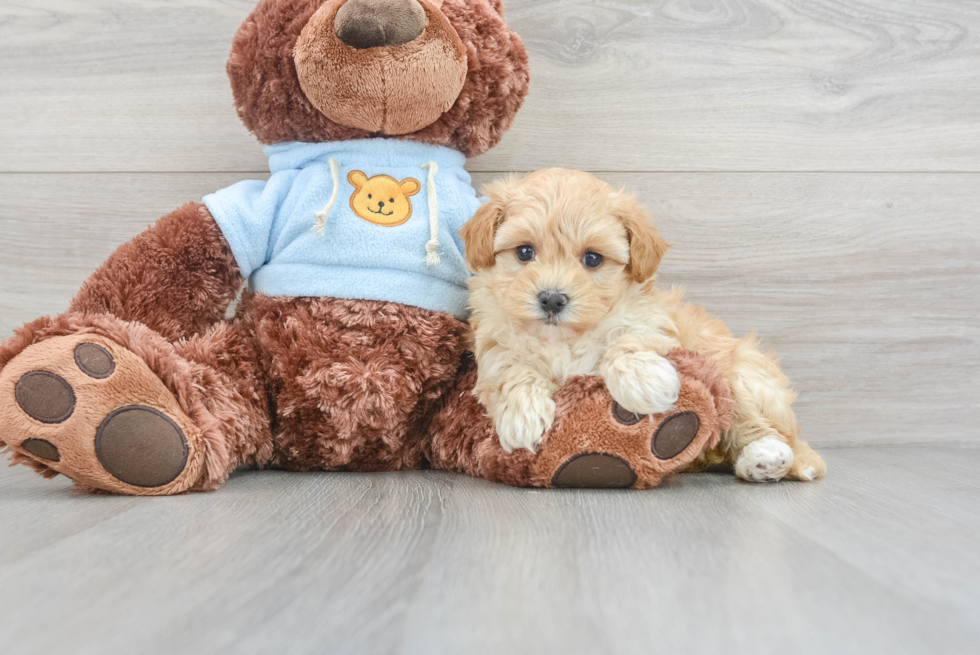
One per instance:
(594,443)
(86,407)
(671,437)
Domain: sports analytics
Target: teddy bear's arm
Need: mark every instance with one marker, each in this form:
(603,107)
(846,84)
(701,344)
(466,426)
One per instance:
(178,277)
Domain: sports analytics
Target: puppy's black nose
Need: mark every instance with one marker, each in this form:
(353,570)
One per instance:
(363,24)
(552,301)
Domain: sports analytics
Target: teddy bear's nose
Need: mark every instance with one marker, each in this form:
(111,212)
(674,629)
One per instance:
(365,24)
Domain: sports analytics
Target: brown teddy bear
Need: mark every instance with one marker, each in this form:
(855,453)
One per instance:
(347,352)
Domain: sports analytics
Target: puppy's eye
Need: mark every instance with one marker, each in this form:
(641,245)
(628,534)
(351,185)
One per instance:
(592,260)
(525,253)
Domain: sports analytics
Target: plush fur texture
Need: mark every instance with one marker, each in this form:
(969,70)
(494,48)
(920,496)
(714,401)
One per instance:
(298,384)
(272,104)
(615,323)
(376,89)
(464,440)
(132,383)
(177,278)
(201,392)
(354,382)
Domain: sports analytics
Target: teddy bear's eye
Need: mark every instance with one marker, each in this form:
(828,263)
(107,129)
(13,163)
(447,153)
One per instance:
(525,253)
(391,200)
(370,196)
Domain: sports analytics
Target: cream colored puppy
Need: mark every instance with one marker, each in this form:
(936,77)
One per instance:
(565,285)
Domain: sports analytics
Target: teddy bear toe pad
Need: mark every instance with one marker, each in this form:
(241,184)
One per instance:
(675,434)
(45,397)
(92,410)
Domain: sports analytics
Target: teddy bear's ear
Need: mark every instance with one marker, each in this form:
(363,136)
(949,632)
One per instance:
(409,186)
(357,179)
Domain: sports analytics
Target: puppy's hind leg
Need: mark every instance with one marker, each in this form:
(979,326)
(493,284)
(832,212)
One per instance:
(764,437)
(807,464)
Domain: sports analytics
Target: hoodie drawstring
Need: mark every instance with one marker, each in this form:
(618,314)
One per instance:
(322,216)
(432,247)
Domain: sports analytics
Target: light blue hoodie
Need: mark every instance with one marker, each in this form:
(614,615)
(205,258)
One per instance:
(302,233)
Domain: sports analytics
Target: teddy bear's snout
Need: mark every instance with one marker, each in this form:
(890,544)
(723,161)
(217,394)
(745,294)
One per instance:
(363,24)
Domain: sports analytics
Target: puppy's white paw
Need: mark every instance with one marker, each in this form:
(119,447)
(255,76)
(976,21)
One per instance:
(523,419)
(643,382)
(765,460)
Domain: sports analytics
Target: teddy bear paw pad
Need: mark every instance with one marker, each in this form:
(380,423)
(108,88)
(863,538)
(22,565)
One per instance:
(141,446)
(595,471)
(92,410)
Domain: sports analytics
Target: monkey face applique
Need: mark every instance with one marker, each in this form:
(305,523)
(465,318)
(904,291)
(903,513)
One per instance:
(382,199)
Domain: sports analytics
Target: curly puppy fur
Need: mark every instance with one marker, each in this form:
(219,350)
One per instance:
(272,104)
(537,236)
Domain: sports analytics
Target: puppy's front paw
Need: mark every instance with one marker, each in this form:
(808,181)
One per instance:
(764,460)
(643,382)
(523,418)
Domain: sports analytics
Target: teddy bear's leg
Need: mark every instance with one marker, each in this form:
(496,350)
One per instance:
(177,278)
(74,390)
(354,382)
(116,407)
(594,442)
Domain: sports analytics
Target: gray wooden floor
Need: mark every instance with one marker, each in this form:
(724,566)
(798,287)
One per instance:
(881,557)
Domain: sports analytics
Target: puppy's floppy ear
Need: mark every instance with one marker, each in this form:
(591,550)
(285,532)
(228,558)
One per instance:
(647,247)
(479,232)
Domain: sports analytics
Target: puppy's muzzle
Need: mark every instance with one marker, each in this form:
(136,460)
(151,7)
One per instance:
(552,302)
